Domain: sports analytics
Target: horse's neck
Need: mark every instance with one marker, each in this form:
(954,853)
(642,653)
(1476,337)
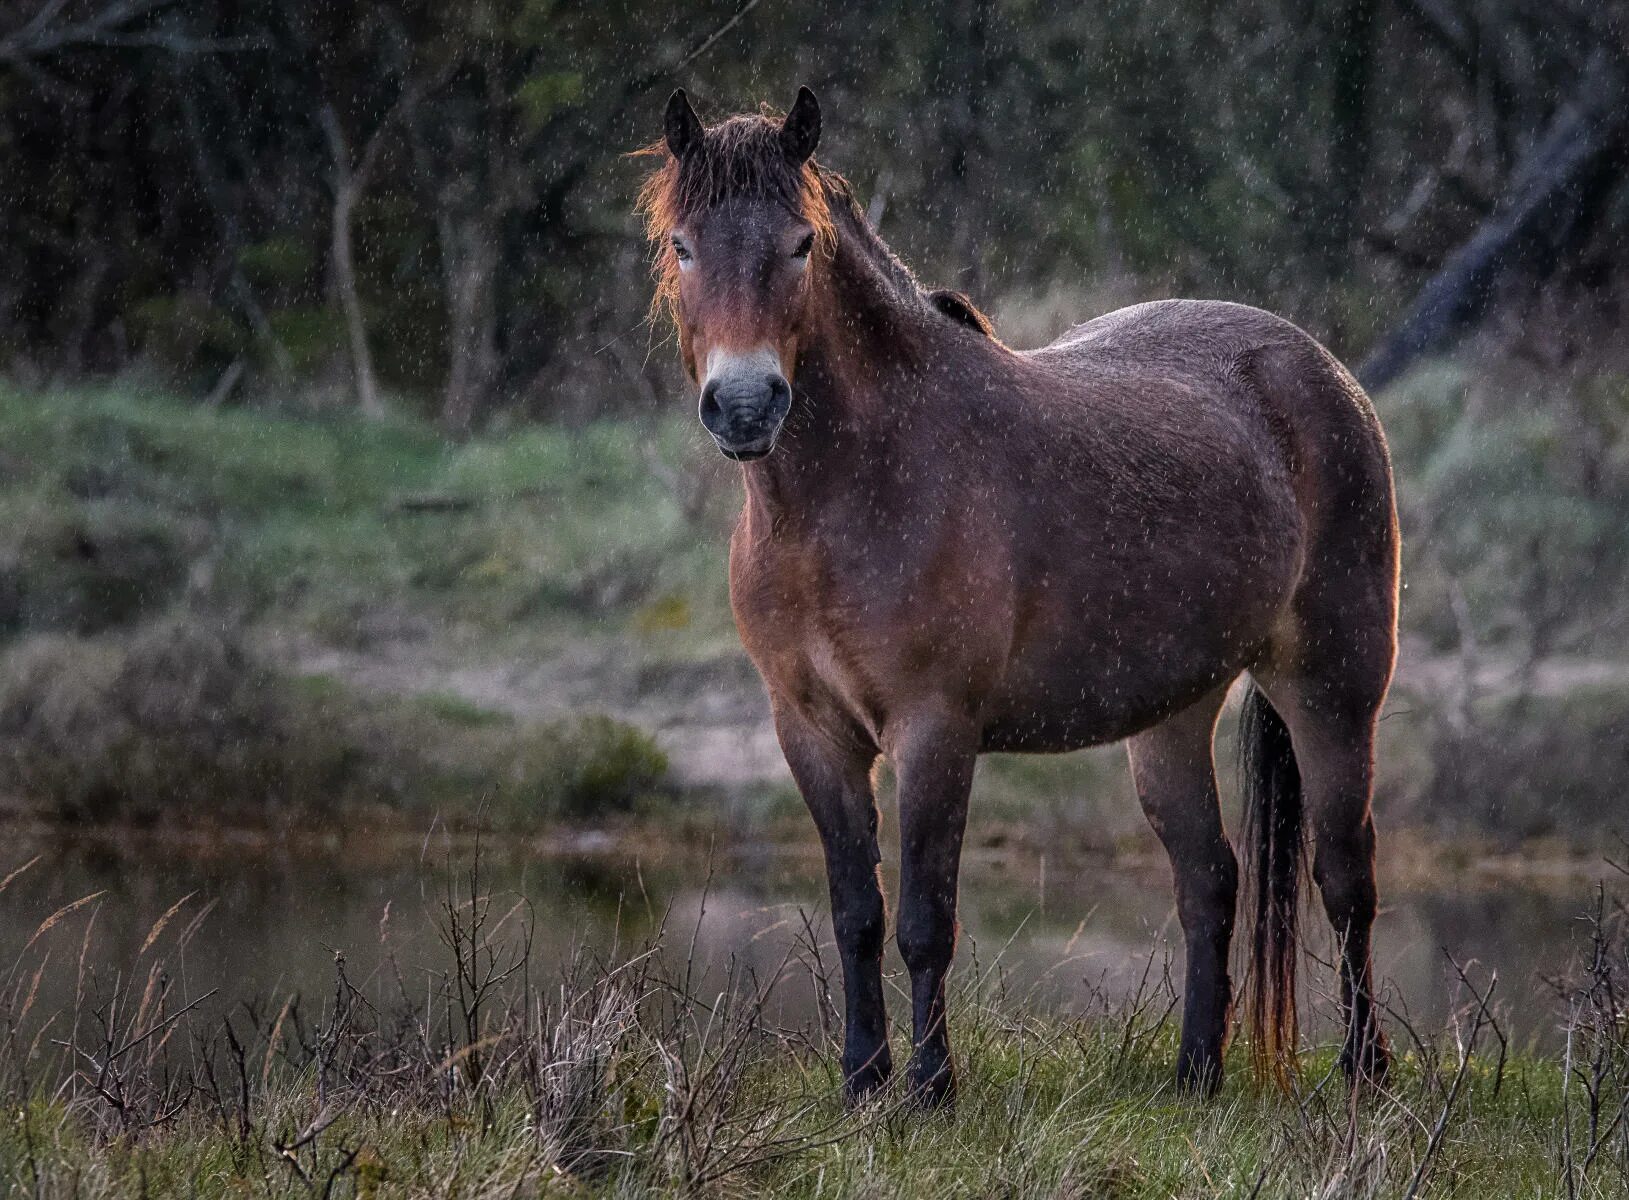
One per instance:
(858,378)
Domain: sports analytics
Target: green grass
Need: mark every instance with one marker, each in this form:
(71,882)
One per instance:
(319,522)
(1048,1108)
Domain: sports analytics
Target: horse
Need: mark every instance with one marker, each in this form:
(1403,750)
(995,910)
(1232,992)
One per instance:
(950,547)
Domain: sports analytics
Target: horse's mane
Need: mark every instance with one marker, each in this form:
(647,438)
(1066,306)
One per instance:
(841,201)
(742,157)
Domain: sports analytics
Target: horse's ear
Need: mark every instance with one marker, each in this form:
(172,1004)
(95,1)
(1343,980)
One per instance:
(681,126)
(958,307)
(800,132)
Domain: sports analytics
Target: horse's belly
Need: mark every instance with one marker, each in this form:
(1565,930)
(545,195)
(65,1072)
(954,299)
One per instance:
(1091,711)
(1075,682)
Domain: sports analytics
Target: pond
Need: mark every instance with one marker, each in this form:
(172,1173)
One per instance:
(1054,936)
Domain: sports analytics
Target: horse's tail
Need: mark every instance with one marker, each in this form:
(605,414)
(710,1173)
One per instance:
(1271,783)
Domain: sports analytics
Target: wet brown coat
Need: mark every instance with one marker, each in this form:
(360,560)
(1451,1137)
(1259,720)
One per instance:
(956,547)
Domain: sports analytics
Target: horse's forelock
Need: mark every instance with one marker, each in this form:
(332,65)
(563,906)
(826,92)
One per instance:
(740,158)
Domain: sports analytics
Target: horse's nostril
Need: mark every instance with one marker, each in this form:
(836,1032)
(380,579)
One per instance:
(709,400)
(744,407)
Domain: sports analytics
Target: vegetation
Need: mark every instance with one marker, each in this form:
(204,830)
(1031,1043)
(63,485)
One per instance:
(178,724)
(616,1078)
(429,203)
(357,250)
(1513,693)
(333,492)
(1513,483)
(119,505)
(140,533)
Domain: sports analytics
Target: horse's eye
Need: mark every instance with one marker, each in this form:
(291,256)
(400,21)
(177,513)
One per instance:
(680,252)
(804,247)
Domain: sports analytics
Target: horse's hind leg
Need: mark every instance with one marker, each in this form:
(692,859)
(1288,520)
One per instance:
(1330,661)
(1175,774)
(1331,718)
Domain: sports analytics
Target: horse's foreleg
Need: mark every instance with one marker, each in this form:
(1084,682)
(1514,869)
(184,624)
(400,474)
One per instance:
(934,762)
(1175,774)
(835,780)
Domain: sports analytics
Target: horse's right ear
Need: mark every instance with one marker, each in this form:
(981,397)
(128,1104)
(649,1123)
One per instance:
(681,126)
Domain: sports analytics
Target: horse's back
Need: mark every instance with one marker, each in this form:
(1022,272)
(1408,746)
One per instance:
(1213,322)
(1245,359)
(1191,341)
(1235,467)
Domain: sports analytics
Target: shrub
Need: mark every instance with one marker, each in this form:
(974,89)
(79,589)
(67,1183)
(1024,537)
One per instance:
(1512,489)
(85,566)
(1510,766)
(178,722)
(593,766)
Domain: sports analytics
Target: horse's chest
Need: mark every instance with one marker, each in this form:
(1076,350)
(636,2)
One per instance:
(827,675)
(833,676)
(815,642)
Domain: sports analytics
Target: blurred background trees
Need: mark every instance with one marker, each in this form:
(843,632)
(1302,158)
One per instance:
(430,201)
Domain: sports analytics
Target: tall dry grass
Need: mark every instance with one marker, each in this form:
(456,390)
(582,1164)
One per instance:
(634,1071)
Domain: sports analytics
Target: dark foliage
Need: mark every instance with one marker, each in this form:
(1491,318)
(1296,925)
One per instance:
(430,200)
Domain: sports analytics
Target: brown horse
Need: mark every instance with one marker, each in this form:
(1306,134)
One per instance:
(951,547)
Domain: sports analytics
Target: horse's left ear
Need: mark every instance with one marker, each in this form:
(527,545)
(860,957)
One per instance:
(800,132)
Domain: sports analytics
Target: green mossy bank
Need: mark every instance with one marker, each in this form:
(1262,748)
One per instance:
(226,612)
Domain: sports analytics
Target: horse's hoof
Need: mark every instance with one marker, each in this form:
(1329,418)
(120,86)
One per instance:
(1368,1063)
(1199,1076)
(934,1089)
(866,1080)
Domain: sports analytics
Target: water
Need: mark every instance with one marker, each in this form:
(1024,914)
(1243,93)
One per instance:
(1055,937)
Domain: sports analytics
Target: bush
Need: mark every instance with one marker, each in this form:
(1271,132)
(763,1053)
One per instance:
(593,766)
(1509,767)
(175,721)
(178,722)
(1513,485)
(85,566)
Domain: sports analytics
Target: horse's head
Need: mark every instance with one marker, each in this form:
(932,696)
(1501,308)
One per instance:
(735,214)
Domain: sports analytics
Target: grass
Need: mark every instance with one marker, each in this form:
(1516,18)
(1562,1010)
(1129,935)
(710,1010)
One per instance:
(489,1074)
(323,523)
(1049,1111)
(134,528)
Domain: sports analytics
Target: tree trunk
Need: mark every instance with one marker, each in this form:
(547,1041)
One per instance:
(343,262)
(469,250)
(1349,135)
(349,183)
(1587,126)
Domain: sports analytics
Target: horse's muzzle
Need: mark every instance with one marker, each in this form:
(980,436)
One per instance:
(745,413)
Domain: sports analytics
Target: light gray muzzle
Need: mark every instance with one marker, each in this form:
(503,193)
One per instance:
(744,401)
